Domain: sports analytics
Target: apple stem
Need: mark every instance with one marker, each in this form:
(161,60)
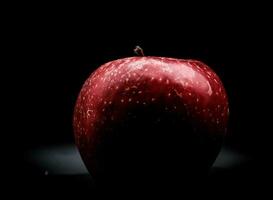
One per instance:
(138,51)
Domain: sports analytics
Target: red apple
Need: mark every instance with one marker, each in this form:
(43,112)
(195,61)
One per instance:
(150,119)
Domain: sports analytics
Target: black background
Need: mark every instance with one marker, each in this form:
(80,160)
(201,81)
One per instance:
(54,53)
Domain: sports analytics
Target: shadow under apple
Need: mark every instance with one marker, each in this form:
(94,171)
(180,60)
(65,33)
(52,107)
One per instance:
(153,148)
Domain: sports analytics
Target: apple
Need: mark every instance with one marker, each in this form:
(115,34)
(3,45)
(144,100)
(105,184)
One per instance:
(150,120)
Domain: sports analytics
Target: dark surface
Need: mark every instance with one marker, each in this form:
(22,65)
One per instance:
(53,55)
(63,164)
(59,170)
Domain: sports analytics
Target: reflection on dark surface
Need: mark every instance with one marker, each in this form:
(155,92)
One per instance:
(66,160)
(58,160)
(60,169)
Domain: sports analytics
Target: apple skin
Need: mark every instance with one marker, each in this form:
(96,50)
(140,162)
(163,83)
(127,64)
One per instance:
(150,119)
